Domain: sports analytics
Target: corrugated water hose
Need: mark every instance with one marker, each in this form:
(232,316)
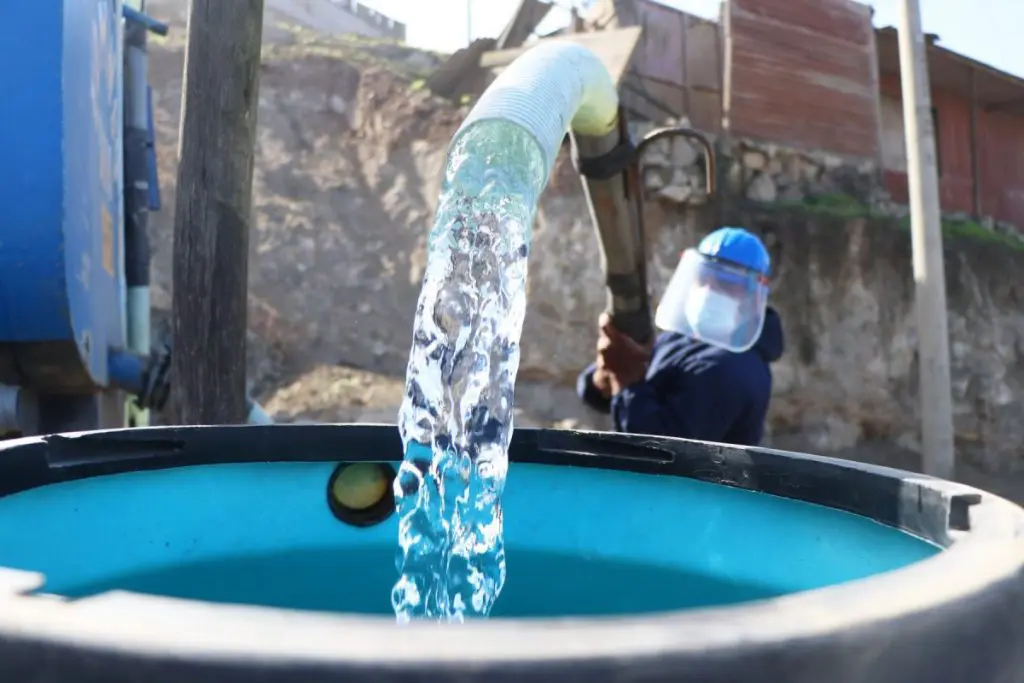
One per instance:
(549,90)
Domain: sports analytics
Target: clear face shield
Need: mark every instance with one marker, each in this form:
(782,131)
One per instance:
(714,301)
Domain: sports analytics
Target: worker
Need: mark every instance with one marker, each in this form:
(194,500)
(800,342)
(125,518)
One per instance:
(707,375)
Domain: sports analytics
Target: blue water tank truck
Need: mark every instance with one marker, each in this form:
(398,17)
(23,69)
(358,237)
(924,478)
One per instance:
(78,178)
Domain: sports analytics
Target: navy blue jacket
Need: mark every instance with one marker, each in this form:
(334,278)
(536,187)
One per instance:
(696,391)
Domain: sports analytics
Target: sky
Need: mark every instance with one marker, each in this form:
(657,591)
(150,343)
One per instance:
(987,32)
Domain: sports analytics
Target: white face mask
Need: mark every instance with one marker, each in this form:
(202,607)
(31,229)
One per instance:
(712,313)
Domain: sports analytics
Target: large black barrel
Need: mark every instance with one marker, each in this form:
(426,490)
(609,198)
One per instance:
(228,555)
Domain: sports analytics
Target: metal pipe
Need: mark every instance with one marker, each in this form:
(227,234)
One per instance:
(605,164)
(19,410)
(126,370)
(608,166)
(689,133)
(136,190)
(257,415)
(137,16)
(147,378)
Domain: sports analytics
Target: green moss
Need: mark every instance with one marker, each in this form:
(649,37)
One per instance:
(966,229)
(847,207)
(969,229)
(840,204)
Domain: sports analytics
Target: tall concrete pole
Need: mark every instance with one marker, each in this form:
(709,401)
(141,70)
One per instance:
(926,236)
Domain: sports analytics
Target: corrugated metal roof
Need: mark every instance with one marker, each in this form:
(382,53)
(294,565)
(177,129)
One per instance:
(995,90)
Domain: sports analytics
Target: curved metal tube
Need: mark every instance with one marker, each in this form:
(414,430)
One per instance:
(690,133)
(608,166)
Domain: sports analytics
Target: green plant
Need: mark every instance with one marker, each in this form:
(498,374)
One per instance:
(846,207)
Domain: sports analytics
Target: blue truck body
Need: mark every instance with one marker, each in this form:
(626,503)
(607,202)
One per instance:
(62,288)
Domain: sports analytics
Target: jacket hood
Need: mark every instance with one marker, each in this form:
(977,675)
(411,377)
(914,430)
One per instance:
(771,343)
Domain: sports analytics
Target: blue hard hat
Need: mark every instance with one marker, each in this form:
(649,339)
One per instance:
(737,246)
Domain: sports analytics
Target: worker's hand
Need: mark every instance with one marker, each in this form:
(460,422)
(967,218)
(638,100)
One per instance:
(625,360)
(602,381)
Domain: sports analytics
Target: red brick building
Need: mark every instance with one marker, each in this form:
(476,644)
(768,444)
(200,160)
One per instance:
(979,123)
(816,74)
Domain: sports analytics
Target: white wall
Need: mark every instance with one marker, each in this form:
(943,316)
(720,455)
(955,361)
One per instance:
(894,141)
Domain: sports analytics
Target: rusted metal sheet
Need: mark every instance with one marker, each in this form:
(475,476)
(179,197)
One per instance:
(677,68)
(841,20)
(952,121)
(703,47)
(662,55)
(953,147)
(801,74)
(896,186)
(678,48)
(1000,155)
(652,100)
(1001,166)
(705,111)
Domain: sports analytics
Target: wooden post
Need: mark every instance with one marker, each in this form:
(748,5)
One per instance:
(213,210)
(926,235)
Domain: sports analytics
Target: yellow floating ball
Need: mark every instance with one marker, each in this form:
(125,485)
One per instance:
(360,486)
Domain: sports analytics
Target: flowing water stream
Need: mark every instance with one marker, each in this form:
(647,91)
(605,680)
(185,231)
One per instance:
(456,418)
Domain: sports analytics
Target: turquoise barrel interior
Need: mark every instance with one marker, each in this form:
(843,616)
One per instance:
(580,541)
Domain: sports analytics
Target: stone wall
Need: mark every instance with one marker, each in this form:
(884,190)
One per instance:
(770,173)
(844,287)
(674,172)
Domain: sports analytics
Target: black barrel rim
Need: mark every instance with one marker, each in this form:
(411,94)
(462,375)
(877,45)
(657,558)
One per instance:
(982,564)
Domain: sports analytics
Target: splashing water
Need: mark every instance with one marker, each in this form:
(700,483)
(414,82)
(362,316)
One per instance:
(456,419)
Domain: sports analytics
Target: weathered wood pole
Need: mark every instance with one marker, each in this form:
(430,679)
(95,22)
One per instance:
(213,210)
